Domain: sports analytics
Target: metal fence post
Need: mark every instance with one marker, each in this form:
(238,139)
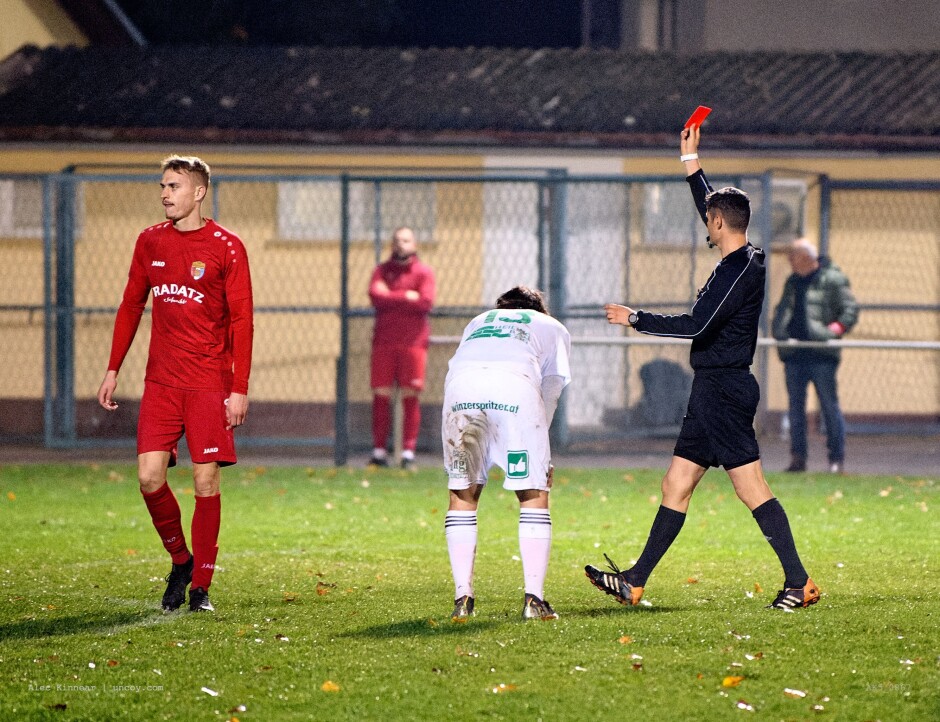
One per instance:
(341,445)
(64,393)
(557,274)
(49,311)
(825,213)
(766,231)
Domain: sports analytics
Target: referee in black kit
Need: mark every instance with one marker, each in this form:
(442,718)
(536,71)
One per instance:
(718,428)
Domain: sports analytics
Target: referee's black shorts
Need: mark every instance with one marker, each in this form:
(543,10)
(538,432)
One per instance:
(718,428)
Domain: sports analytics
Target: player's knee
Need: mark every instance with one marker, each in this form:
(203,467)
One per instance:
(150,480)
(206,481)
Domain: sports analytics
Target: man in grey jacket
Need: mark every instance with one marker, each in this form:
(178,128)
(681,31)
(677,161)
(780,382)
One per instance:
(817,305)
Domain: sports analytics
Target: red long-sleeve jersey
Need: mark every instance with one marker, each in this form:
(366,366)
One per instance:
(202,326)
(398,320)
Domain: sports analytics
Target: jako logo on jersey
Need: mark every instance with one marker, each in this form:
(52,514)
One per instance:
(158,264)
(173,289)
(198,270)
(211,450)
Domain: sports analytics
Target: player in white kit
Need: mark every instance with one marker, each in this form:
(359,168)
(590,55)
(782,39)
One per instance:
(500,395)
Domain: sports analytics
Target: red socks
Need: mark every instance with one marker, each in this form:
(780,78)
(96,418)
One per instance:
(165,513)
(411,421)
(205,535)
(381,421)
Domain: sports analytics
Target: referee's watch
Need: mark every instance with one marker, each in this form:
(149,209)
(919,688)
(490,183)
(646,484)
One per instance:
(632,319)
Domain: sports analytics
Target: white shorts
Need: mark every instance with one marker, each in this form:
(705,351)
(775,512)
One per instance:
(494,420)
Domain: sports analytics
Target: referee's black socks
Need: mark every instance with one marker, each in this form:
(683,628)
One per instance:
(773,522)
(666,527)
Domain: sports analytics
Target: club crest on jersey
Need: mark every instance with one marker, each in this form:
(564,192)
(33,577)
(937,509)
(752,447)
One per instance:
(198,270)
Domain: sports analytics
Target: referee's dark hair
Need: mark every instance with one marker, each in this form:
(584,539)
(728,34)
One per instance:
(734,204)
(522,297)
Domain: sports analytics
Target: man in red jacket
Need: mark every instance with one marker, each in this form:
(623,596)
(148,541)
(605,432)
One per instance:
(197,368)
(402,290)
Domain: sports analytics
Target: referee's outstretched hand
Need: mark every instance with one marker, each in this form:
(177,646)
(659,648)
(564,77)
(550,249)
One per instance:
(618,314)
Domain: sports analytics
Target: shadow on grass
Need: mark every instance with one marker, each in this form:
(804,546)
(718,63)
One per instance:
(621,610)
(423,627)
(65,626)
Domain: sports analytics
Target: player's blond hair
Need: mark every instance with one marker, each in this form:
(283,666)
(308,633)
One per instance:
(188,164)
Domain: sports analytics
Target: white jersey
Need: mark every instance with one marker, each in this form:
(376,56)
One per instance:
(521,342)
(494,411)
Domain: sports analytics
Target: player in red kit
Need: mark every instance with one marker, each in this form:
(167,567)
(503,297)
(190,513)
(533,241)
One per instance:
(197,368)
(402,290)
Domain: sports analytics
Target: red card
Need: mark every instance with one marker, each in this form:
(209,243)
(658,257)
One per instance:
(698,116)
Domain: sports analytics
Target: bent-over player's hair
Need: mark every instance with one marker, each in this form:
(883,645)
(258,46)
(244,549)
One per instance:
(522,297)
(734,205)
(188,164)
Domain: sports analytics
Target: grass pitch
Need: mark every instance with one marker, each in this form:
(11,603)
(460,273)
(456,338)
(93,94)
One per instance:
(333,596)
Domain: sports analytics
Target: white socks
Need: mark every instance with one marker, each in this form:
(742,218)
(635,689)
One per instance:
(460,529)
(535,543)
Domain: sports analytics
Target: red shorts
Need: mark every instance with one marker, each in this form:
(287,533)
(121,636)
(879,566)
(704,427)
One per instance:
(166,413)
(401,365)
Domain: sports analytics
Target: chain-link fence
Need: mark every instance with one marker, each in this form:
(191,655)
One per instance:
(313,241)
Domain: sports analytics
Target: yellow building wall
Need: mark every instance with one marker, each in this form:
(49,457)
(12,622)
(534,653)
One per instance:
(871,381)
(36,22)
(296,354)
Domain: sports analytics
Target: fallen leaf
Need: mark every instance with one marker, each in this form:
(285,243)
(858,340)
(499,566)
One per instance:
(502,688)
(637,666)
(290,597)
(132,553)
(11,496)
(885,492)
(732,680)
(431,622)
(691,580)
(282,637)
(324,588)
(625,639)
(460,652)
(794,693)
(758,589)
(113,663)
(329,686)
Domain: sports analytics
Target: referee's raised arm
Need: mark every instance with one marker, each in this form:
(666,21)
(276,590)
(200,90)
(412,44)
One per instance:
(695,175)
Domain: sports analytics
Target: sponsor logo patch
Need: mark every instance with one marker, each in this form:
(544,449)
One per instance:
(158,264)
(517,464)
(211,450)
